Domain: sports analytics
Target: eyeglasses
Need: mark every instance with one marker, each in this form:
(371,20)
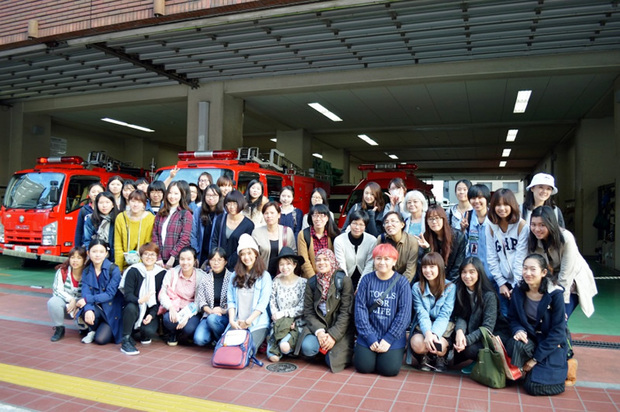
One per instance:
(391,222)
(434,219)
(318,216)
(149,254)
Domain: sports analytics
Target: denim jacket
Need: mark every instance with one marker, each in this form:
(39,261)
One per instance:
(430,313)
(260,302)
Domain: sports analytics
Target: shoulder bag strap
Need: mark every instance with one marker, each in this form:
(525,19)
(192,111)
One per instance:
(379,302)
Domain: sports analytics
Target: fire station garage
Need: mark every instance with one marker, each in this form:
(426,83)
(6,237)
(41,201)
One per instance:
(487,90)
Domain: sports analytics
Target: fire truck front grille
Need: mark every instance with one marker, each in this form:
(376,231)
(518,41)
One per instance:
(16,237)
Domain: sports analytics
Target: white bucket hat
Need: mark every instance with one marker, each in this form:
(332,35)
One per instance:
(543,179)
(246,242)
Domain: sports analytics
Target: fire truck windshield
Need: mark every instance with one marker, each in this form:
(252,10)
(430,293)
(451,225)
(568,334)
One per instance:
(34,191)
(192,175)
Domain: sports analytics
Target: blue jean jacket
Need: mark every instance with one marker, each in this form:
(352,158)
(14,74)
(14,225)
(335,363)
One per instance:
(430,313)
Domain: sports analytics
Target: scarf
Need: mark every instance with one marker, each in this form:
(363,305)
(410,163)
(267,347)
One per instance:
(324,279)
(103,232)
(148,285)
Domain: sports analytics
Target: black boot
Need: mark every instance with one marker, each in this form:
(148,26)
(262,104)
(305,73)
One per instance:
(58,334)
(127,346)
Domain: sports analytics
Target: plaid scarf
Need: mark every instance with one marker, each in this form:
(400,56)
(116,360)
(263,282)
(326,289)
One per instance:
(324,279)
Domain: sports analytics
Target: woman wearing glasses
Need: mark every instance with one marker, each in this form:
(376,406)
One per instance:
(319,235)
(405,244)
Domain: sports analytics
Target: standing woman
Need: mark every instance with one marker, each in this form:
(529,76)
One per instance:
(569,269)
(538,323)
(140,285)
(458,211)
(272,237)
(476,305)
(474,227)
(373,204)
(142,184)
(101,223)
(320,235)
(318,196)
(101,303)
(132,228)
(115,186)
(229,226)
(249,292)
(177,297)
(540,193)
(87,209)
(328,307)
(440,237)
(128,187)
(173,226)
(353,249)
(506,244)
(67,290)
(405,244)
(203,218)
(204,180)
(417,205)
(382,316)
(290,215)
(212,299)
(255,199)
(155,193)
(195,197)
(225,184)
(398,189)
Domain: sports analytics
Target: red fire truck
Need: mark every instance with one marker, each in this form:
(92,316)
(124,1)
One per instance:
(383,173)
(41,205)
(244,165)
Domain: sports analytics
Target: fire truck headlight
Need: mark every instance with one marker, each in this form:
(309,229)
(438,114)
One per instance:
(50,234)
(1,232)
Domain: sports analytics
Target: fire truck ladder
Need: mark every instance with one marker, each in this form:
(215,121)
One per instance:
(102,159)
(274,160)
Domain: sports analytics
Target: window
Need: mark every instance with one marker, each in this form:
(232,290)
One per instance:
(77,192)
(514,186)
(274,186)
(244,179)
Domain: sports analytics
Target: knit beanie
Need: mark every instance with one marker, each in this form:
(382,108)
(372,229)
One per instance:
(246,242)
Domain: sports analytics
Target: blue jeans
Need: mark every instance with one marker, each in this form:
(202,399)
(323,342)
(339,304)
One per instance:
(310,347)
(571,305)
(210,329)
(187,332)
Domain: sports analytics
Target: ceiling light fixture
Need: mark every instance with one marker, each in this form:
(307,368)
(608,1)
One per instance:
(521,103)
(367,140)
(393,156)
(317,155)
(121,123)
(502,163)
(506,152)
(321,109)
(512,135)
(274,140)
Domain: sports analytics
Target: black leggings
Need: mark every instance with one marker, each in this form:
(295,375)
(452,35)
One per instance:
(469,353)
(131,311)
(103,331)
(386,363)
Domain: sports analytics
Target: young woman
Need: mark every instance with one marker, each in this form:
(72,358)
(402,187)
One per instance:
(353,249)
(155,193)
(101,303)
(255,200)
(203,218)
(476,305)
(177,297)
(458,211)
(228,227)
(328,306)
(398,189)
(67,290)
(205,179)
(173,226)
(101,223)
(115,186)
(290,215)
(212,299)
(317,197)
(405,244)
(128,187)
(382,316)
(540,192)
(440,237)
(132,228)
(195,197)
(538,324)
(286,305)
(249,292)
(569,268)
(475,224)
(506,244)
(433,301)
(373,204)
(272,237)
(142,184)
(320,235)
(87,209)
(140,285)
(225,184)
(417,205)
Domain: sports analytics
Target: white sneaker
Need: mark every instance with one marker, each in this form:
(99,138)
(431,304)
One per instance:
(89,338)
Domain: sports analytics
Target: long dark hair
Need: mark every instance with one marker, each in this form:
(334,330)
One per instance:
(331,228)
(554,241)
(462,307)
(165,209)
(529,201)
(507,197)
(245,277)
(206,210)
(444,247)
(434,259)
(544,282)
(377,193)
(253,205)
(97,217)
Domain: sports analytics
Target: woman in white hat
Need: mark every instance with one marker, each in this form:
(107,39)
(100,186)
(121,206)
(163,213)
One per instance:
(540,193)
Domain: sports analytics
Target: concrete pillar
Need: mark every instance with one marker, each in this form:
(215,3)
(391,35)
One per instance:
(296,146)
(214,119)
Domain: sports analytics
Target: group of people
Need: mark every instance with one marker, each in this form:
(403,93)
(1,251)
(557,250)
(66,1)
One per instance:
(403,279)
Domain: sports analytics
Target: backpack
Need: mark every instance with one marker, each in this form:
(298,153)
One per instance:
(234,350)
(338,281)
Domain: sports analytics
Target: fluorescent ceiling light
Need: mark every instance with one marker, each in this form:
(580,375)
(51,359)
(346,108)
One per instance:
(274,140)
(393,156)
(321,109)
(121,123)
(521,103)
(512,135)
(506,152)
(318,155)
(367,140)
(502,163)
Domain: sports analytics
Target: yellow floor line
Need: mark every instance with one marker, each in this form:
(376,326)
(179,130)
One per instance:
(109,393)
